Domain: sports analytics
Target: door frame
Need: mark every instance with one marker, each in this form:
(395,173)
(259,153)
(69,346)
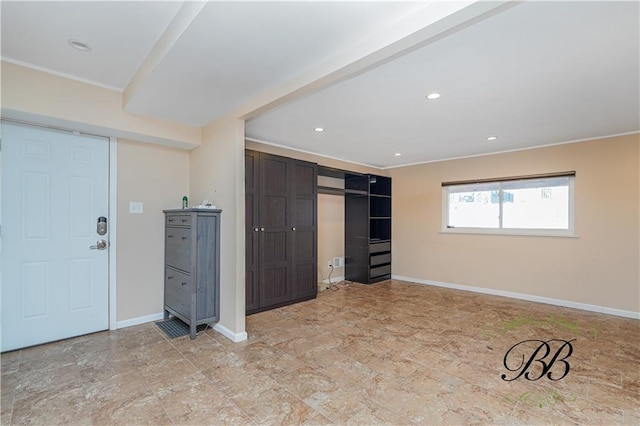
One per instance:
(113,210)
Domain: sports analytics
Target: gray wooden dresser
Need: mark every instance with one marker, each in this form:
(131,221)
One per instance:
(192,266)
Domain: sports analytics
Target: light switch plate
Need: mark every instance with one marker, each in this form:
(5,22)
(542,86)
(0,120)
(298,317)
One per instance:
(135,207)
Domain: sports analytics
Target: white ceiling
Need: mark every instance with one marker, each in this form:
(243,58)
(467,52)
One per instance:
(538,73)
(121,34)
(532,73)
(235,50)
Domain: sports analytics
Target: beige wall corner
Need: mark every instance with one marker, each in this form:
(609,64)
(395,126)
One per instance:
(600,267)
(44,98)
(218,165)
(158,177)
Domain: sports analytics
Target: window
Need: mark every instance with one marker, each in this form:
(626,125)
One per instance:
(530,205)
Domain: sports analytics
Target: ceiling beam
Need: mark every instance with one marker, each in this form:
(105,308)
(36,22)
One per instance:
(434,21)
(179,24)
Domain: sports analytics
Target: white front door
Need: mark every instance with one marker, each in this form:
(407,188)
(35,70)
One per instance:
(55,186)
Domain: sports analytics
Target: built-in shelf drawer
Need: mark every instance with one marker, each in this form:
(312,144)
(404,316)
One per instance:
(380,259)
(178,220)
(379,270)
(178,248)
(379,247)
(177,290)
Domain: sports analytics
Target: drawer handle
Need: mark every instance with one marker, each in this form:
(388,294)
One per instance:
(170,236)
(169,220)
(184,220)
(183,283)
(169,278)
(184,238)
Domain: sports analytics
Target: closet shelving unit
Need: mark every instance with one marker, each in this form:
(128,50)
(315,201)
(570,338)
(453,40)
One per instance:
(367,224)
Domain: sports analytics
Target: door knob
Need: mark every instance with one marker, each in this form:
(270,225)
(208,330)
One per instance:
(100,245)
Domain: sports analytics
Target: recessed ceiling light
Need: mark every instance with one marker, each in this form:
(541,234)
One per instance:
(432,96)
(78,45)
(492,138)
(318,129)
(398,154)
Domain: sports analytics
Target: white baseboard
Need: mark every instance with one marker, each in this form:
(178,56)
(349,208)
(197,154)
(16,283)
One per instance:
(334,280)
(234,337)
(522,296)
(140,320)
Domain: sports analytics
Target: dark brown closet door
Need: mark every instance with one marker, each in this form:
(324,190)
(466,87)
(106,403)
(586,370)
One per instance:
(275,230)
(252,229)
(304,229)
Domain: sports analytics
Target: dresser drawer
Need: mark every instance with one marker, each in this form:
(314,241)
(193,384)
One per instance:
(379,271)
(178,248)
(380,259)
(379,247)
(178,220)
(177,291)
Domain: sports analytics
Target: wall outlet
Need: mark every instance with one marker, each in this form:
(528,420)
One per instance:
(329,264)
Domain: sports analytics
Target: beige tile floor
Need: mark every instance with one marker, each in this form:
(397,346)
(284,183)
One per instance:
(390,353)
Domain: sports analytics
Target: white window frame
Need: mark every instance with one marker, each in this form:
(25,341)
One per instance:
(570,232)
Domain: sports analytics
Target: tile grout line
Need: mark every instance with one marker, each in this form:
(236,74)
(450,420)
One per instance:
(13,394)
(230,400)
(147,381)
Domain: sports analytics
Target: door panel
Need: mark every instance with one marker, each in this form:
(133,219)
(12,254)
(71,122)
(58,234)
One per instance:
(34,290)
(275,230)
(54,188)
(275,211)
(274,171)
(305,243)
(252,227)
(277,290)
(36,207)
(80,293)
(306,281)
(306,246)
(305,217)
(275,247)
(82,223)
(306,175)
